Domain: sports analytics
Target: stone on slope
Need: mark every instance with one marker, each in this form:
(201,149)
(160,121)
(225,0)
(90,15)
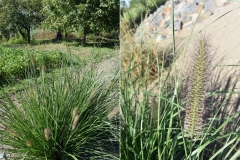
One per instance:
(177,25)
(210,5)
(190,8)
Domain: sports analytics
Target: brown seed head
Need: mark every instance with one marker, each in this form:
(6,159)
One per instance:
(74,113)
(47,133)
(29,143)
(75,121)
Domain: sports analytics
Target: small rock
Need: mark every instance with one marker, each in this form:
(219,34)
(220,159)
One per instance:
(162,22)
(167,23)
(200,8)
(190,8)
(208,12)
(177,16)
(161,37)
(210,5)
(167,10)
(167,17)
(158,19)
(179,7)
(153,28)
(176,1)
(168,59)
(186,18)
(160,9)
(178,25)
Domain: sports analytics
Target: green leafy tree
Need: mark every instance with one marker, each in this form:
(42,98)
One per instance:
(137,8)
(69,15)
(60,15)
(20,16)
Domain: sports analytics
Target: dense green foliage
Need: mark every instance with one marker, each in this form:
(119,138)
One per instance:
(139,8)
(19,16)
(15,62)
(70,15)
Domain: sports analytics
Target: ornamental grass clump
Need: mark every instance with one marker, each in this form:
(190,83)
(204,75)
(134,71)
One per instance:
(197,88)
(51,121)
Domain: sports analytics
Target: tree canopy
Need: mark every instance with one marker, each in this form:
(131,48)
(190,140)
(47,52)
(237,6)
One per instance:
(20,16)
(69,15)
(62,16)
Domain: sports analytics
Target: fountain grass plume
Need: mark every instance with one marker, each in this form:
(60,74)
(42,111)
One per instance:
(200,68)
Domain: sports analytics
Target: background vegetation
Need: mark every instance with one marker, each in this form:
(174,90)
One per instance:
(63,17)
(58,98)
(138,9)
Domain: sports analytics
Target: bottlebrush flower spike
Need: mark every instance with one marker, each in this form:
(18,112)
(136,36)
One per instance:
(197,87)
(75,121)
(29,143)
(74,112)
(47,133)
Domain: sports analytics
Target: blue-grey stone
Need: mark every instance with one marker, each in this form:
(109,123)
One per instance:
(177,25)
(190,8)
(160,37)
(167,23)
(210,5)
(177,15)
(160,9)
(186,19)
(176,1)
(208,12)
(158,19)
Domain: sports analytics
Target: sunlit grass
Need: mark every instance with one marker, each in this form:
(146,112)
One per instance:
(154,111)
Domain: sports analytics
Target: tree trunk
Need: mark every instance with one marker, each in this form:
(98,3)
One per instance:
(59,36)
(84,34)
(66,34)
(22,34)
(28,33)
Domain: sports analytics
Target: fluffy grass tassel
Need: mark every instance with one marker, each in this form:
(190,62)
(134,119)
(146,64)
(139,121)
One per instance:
(197,87)
(47,133)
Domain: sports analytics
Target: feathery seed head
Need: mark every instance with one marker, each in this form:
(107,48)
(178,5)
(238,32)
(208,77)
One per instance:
(29,143)
(47,133)
(75,121)
(197,87)
(74,113)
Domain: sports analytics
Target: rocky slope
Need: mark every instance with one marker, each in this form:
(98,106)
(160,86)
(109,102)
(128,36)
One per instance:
(219,20)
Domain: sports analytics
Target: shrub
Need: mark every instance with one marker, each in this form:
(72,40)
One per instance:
(16,62)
